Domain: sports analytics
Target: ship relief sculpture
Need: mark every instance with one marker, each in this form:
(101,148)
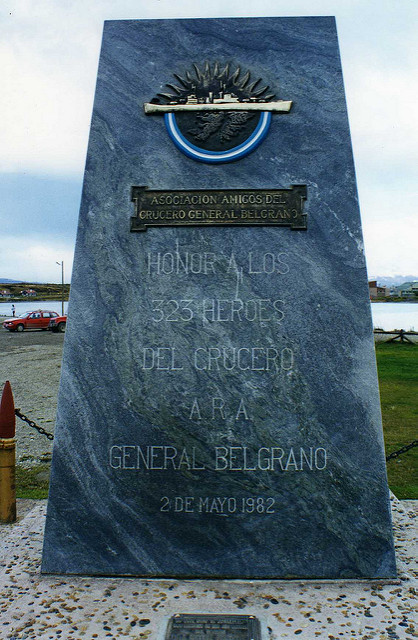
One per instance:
(217,113)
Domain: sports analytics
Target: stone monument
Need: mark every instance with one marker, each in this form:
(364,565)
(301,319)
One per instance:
(218,412)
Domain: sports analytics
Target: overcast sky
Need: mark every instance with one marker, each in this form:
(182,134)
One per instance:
(49,51)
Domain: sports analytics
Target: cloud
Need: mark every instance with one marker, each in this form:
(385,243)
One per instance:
(388,248)
(40,206)
(381,105)
(38,220)
(24,259)
(46,111)
(390,232)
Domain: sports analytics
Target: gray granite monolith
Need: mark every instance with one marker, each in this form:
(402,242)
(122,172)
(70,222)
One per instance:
(218,412)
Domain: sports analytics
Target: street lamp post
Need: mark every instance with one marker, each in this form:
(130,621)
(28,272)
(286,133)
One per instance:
(62,286)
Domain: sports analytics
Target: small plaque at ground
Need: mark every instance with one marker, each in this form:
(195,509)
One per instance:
(216,627)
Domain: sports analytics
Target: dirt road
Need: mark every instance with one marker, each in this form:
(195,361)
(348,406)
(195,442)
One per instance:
(31,361)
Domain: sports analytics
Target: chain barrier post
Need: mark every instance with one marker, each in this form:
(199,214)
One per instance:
(33,424)
(7,456)
(402,450)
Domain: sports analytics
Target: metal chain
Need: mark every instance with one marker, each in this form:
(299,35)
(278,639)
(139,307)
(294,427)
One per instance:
(33,424)
(395,454)
(50,436)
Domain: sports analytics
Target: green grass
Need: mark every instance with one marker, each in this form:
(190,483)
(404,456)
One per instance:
(398,381)
(32,482)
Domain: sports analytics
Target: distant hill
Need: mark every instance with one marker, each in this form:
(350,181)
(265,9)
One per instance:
(393,281)
(406,285)
(8,281)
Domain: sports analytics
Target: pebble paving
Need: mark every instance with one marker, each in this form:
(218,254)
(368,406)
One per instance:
(38,607)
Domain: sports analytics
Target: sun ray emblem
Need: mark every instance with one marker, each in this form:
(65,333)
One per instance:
(217,113)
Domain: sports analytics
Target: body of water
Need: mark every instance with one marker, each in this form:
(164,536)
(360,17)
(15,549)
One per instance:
(395,315)
(30,305)
(386,315)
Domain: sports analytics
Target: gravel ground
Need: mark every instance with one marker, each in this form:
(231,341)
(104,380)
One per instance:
(31,361)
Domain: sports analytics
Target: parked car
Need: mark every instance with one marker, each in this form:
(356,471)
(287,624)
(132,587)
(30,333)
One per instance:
(38,319)
(58,323)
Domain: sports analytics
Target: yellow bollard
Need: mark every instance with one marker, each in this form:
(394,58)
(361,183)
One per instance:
(7,480)
(7,456)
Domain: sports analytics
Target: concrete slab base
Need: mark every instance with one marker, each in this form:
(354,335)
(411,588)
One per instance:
(38,607)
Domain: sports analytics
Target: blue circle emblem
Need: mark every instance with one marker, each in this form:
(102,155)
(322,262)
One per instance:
(203,155)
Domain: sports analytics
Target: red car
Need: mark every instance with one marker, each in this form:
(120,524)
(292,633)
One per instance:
(39,319)
(58,323)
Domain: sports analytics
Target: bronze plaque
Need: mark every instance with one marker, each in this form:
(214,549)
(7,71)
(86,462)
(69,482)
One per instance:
(248,207)
(214,627)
